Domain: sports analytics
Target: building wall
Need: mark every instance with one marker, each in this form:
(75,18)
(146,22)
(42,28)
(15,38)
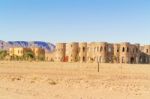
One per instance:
(99,52)
(18,51)
(110,53)
(72,52)
(124,52)
(145,54)
(116,57)
(102,52)
(38,52)
(60,51)
(89,52)
(49,56)
(129,53)
(83,52)
(134,54)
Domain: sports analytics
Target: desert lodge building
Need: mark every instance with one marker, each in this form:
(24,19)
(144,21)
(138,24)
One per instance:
(20,52)
(102,52)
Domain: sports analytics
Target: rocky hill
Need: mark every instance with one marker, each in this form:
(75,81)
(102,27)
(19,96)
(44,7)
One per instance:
(45,45)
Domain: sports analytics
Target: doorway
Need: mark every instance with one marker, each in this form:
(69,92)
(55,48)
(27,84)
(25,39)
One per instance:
(132,60)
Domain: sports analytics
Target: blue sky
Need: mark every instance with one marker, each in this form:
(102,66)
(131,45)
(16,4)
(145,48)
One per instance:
(75,20)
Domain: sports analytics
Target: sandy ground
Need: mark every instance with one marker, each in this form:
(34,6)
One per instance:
(45,80)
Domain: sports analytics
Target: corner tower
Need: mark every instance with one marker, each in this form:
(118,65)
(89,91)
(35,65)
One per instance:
(72,52)
(83,52)
(60,51)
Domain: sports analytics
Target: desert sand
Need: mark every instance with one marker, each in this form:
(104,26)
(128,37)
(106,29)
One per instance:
(46,80)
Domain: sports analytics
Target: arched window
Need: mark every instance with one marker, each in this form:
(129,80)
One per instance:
(123,49)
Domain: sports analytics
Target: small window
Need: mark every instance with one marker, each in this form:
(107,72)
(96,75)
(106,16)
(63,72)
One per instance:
(117,50)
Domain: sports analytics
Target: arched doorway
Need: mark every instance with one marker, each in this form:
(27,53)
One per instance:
(132,60)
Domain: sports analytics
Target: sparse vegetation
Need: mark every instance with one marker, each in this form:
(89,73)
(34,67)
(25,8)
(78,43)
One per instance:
(51,82)
(29,55)
(3,54)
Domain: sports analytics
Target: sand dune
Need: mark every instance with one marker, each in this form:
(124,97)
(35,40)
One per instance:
(45,80)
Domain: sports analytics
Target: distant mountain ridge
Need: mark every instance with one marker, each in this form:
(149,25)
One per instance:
(49,47)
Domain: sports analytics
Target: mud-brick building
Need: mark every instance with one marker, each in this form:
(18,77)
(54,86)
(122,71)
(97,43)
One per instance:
(72,52)
(99,52)
(49,56)
(20,52)
(126,53)
(82,52)
(60,52)
(102,52)
(145,54)
(39,53)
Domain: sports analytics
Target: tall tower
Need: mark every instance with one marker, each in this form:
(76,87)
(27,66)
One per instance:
(146,51)
(116,58)
(83,52)
(72,52)
(125,52)
(60,52)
